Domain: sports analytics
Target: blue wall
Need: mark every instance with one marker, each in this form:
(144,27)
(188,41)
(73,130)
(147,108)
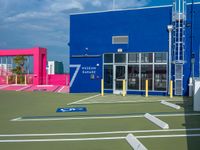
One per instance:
(192,43)
(89,74)
(147,30)
(91,34)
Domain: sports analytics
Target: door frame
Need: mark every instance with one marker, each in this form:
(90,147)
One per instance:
(117,91)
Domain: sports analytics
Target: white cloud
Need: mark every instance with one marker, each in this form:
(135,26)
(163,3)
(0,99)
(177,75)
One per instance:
(130,3)
(28,15)
(34,27)
(48,9)
(59,6)
(46,22)
(96,3)
(53,8)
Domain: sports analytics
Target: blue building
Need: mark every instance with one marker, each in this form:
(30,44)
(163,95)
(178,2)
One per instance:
(157,44)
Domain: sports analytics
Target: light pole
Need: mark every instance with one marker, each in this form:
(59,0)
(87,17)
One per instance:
(192,62)
(170,28)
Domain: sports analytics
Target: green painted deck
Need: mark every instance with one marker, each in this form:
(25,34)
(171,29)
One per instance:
(108,118)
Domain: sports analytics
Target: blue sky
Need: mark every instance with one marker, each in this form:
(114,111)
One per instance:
(45,23)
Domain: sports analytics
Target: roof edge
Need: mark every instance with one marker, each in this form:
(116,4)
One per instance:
(139,8)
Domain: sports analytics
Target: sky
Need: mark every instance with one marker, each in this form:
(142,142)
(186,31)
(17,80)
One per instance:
(45,23)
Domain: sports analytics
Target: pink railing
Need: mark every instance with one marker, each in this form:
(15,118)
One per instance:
(6,77)
(3,74)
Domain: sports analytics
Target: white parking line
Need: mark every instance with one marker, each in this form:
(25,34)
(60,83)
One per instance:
(98,133)
(103,117)
(59,140)
(125,101)
(84,99)
(168,136)
(59,91)
(97,139)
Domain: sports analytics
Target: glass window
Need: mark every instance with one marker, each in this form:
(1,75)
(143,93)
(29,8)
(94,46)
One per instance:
(3,59)
(146,74)
(108,58)
(133,58)
(133,77)
(160,57)
(120,58)
(119,85)
(146,57)
(120,72)
(108,76)
(160,79)
(5,64)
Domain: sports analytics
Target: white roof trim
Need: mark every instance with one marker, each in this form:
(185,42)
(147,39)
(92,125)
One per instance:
(139,8)
(111,10)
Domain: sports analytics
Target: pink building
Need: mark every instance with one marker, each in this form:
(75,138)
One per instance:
(40,80)
(39,61)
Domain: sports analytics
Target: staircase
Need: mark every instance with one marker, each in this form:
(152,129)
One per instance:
(179,25)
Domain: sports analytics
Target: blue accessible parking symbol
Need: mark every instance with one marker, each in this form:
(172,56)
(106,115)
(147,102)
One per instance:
(72,109)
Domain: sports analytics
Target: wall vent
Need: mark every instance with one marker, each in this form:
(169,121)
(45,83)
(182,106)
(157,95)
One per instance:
(120,39)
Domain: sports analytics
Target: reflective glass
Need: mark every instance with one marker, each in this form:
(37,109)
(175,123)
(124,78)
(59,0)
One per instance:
(108,76)
(108,58)
(146,57)
(133,77)
(119,85)
(160,57)
(146,74)
(160,79)
(120,72)
(133,57)
(120,58)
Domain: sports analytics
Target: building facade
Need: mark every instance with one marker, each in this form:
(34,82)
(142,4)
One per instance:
(55,67)
(157,44)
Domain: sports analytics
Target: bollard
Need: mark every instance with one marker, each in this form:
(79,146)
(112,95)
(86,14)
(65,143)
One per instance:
(16,79)
(147,89)
(25,80)
(124,88)
(102,87)
(171,89)
(7,79)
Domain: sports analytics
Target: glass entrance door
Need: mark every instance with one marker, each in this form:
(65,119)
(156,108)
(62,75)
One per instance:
(120,75)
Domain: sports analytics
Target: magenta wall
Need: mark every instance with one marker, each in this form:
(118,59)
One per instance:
(2,80)
(58,79)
